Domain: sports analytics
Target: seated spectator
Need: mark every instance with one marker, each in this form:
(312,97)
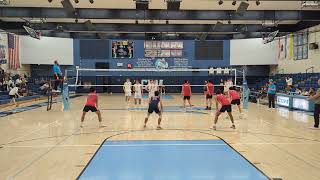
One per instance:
(298,91)
(44,88)
(19,82)
(10,84)
(312,92)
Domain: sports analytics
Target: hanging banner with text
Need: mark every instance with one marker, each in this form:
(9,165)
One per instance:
(162,63)
(3,48)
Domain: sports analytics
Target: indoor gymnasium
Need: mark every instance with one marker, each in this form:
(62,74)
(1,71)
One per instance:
(159,90)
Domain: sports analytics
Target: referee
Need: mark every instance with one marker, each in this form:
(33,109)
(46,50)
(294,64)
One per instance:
(271,93)
(316,99)
(57,75)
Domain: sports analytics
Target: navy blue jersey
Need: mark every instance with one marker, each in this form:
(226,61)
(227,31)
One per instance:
(154,102)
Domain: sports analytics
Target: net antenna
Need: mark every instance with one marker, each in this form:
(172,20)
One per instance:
(270,37)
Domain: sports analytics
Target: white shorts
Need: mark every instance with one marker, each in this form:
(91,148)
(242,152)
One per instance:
(128,93)
(151,94)
(137,95)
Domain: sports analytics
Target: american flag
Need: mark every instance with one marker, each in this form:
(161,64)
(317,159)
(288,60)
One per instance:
(13,50)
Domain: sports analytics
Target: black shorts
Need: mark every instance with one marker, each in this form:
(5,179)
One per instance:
(226,108)
(59,77)
(90,108)
(235,102)
(186,97)
(209,96)
(151,110)
(12,96)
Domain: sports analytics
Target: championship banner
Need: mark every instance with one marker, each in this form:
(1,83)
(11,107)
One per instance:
(3,48)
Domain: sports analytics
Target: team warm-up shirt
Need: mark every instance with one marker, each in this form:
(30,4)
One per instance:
(127,86)
(223,100)
(152,88)
(92,99)
(210,89)
(186,89)
(13,91)
(234,94)
(137,88)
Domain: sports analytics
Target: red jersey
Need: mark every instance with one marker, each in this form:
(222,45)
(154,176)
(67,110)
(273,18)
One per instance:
(234,94)
(92,99)
(223,100)
(186,90)
(210,89)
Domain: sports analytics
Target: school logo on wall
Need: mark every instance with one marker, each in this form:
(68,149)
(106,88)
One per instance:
(161,64)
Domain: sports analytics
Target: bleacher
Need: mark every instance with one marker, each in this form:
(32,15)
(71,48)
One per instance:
(301,80)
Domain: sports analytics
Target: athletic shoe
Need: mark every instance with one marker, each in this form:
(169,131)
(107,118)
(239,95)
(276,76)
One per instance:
(314,128)
(233,127)
(214,128)
(56,91)
(159,127)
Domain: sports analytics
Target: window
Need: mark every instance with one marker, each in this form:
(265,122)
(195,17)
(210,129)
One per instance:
(300,46)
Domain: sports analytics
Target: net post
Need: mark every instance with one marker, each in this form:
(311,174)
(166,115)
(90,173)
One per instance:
(245,91)
(65,96)
(235,77)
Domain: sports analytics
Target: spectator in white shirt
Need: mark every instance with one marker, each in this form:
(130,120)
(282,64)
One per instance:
(14,93)
(19,82)
(289,81)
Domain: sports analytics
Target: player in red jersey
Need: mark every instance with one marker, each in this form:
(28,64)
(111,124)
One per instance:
(91,105)
(235,98)
(186,93)
(210,93)
(225,106)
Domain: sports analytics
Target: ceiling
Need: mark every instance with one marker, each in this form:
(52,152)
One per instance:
(161,4)
(120,19)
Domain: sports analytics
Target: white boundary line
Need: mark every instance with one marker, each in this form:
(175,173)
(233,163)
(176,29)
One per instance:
(32,132)
(148,145)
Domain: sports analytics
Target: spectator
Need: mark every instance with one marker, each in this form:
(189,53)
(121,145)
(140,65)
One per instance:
(19,82)
(298,91)
(271,93)
(14,93)
(57,75)
(316,99)
(289,81)
(10,84)
(44,88)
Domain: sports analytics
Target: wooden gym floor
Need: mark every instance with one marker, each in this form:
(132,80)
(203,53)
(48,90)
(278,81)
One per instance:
(37,144)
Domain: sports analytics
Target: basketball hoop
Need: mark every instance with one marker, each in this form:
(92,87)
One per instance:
(270,37)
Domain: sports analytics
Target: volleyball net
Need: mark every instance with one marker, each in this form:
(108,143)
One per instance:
(169,80)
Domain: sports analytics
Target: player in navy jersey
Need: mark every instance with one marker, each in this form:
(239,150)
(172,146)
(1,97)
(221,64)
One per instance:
(155,105)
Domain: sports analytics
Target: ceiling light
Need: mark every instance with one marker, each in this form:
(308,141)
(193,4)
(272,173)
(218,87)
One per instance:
(220,2)
(234,3)
(257,2)
(91,1)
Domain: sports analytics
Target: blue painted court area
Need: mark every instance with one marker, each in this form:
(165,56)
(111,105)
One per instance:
(169,160)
